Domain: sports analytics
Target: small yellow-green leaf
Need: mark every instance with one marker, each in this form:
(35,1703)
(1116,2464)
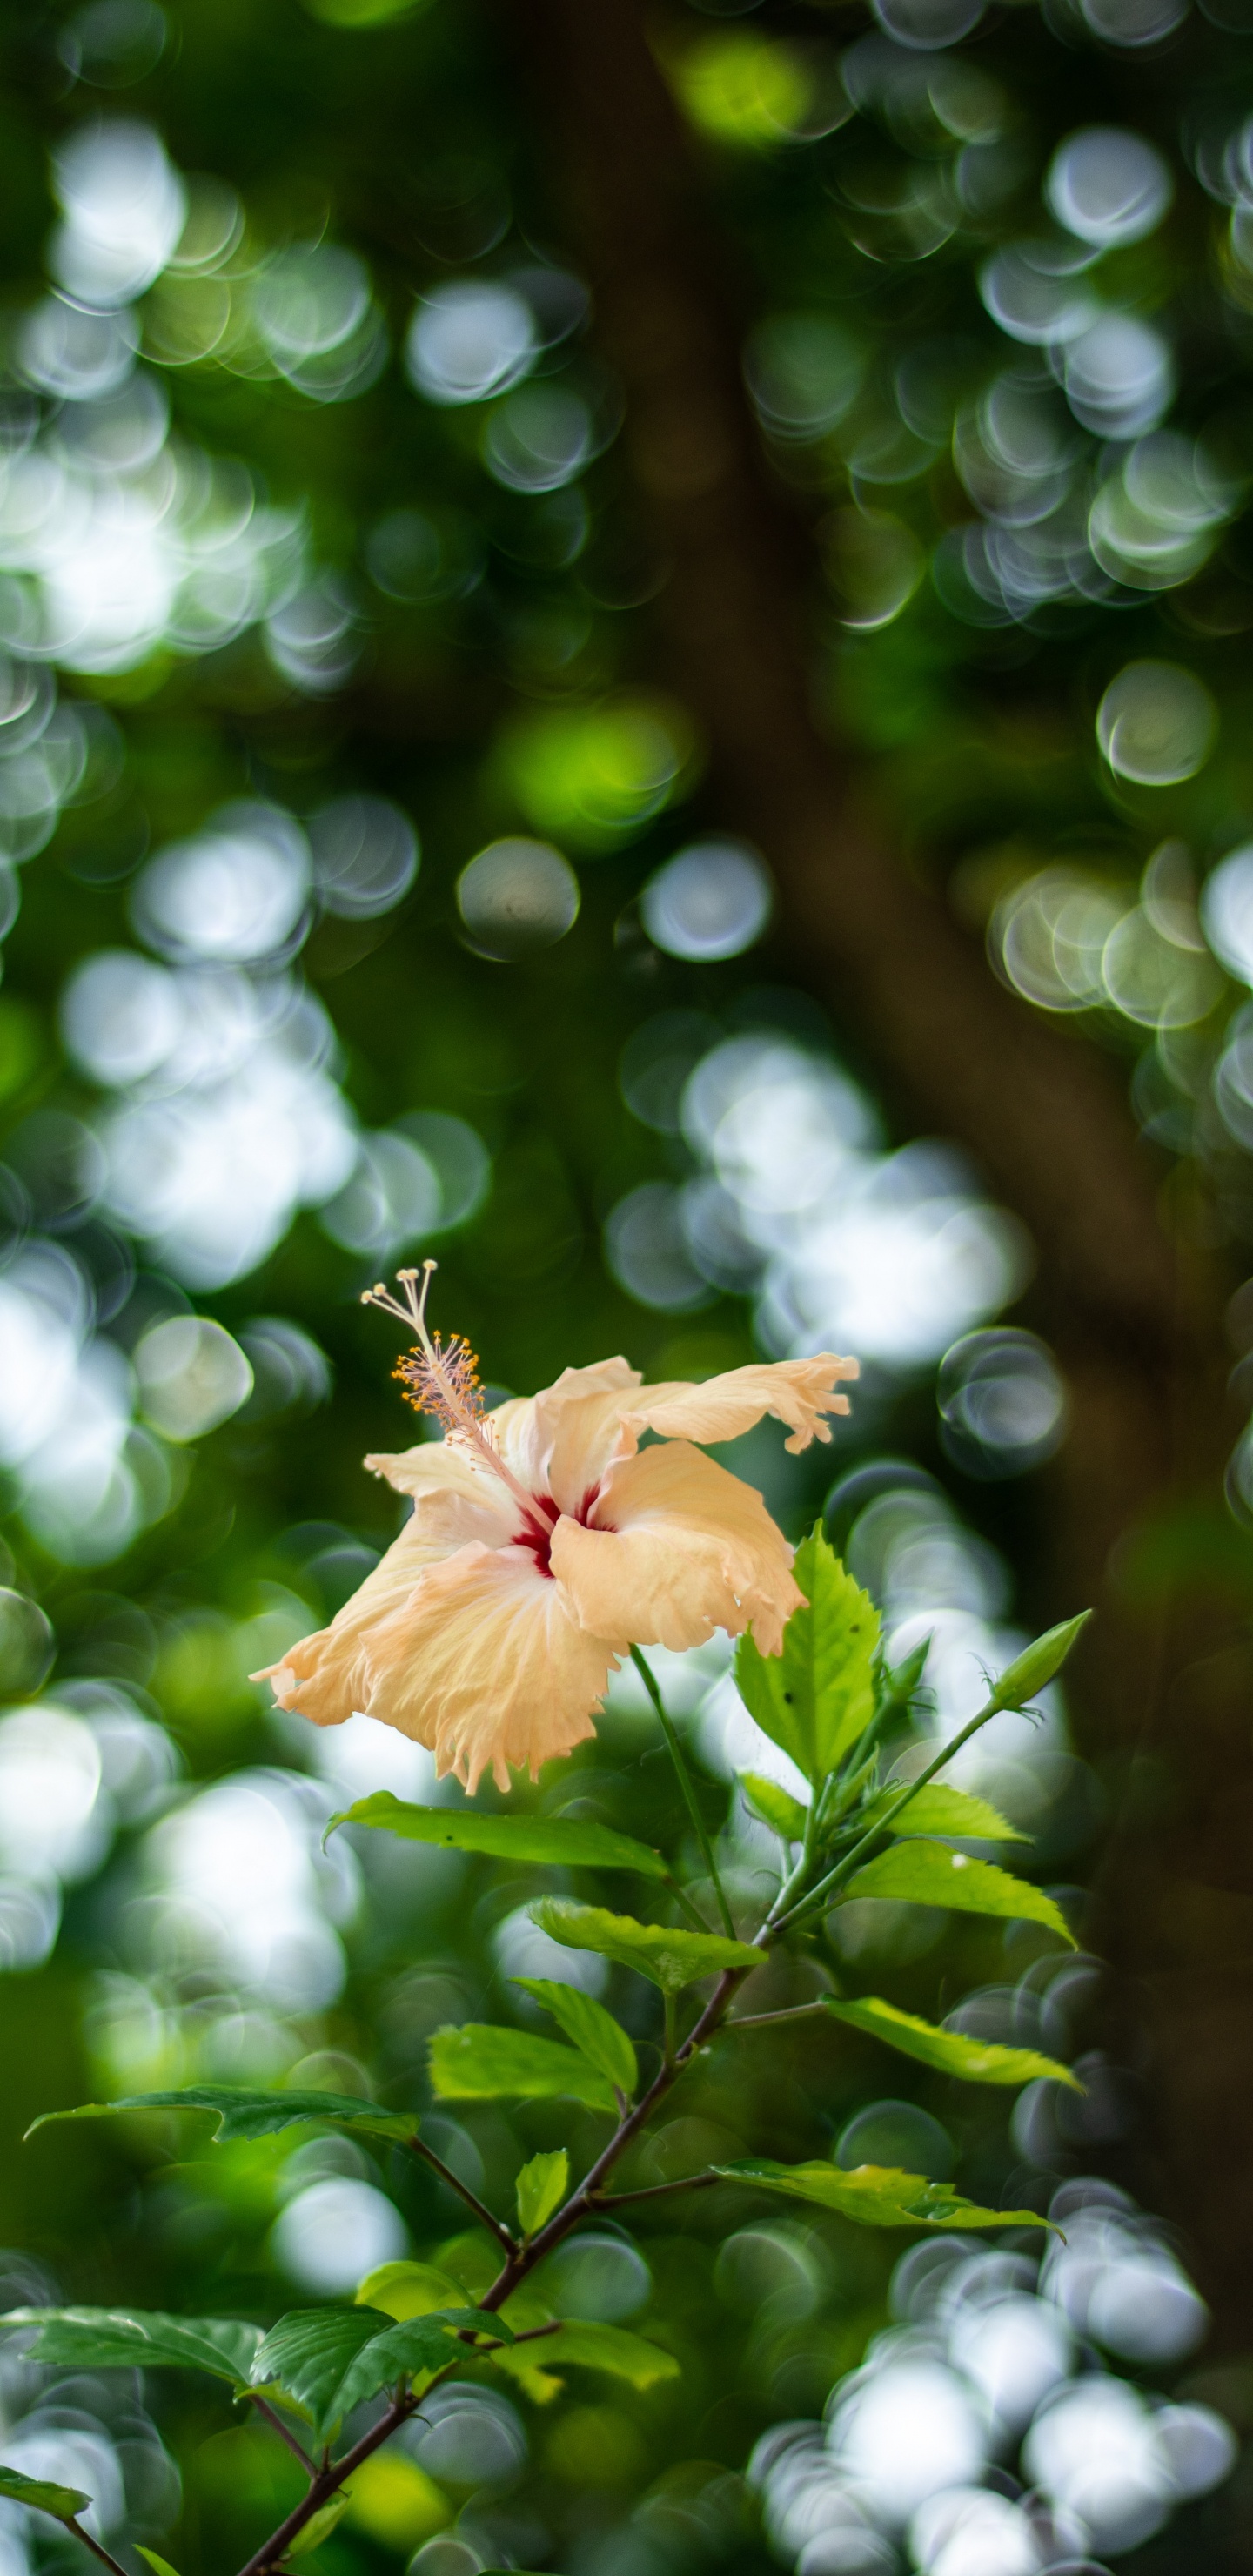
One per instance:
(672,1959)
(1038,1663)
(817,1698)
(63,2503)
(479,2062)
(977,2061)
(562,1842)
(608,2348)
(937,1809)
(160,2566)
(320,2524)
(601,2038)
(875,2195)
(776,1808)
(404,2290)
(925,1873)
(541,2188)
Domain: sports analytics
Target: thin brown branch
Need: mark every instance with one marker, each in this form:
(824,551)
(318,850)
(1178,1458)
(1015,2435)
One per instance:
(284,2431)
(326,2483)
(95,2546)
(766,2021)
(588,2197)
(657,2190)
(471,2198)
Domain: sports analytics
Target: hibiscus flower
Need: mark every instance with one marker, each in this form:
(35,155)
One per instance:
(544,1542)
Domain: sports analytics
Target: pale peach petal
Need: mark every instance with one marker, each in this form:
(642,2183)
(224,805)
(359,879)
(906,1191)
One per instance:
(560,1441)
(329,1676)
(487,1667)
(435,1466)
(798,1392)
(473,1654)
(676,1548)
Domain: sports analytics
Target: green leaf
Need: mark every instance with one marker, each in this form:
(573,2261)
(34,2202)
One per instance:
(938,1809)
(320,2524)
(817,1698)
(328,2360)
(672,1959)
(308,2355)
(930,1874)
(409,2290)
(417,2348)
(876,2195)
(160,2566)
(609,2348)
(480,2063)
(61,2502)
(246,2114)
(977,2061)
(601,2038)
(138,2338)
(562,1842)
(784,1814)
(541,2188)
(1038,1663)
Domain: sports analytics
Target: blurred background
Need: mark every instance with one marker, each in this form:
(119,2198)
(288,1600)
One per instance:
(622,660)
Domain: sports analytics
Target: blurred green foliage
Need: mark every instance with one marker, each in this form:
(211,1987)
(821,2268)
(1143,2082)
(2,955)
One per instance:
(501,675)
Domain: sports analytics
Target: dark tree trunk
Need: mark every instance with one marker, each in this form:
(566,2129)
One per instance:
(1132,1314)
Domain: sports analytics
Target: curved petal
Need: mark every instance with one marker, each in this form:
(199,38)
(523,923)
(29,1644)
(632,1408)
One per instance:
(328,1676)
(677,1548)
(798,1392)
(478,1658)
(561,1441)
(441,1466)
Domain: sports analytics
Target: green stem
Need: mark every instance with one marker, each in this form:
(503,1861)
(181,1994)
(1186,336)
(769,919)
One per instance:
(684,1903)
(645,1672)
(836,1878)
(671,2027)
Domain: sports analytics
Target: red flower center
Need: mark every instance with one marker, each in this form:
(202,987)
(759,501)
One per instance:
(536,1533)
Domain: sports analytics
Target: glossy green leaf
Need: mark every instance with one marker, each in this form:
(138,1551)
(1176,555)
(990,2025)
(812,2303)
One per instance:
(930,1874)
(817,1698)
(562,1842)
(308,2354)
(414,2349)
(977,2061)
(541,2187)
(937,1809)
(320,2524)
(242,2113)
(409,2290)
(593,2030)
(1038,1663)
(875,2195)
(63,2503)
(138,2339)
(160,2566)
(477,2062)
(672,1959)
(776,1808)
